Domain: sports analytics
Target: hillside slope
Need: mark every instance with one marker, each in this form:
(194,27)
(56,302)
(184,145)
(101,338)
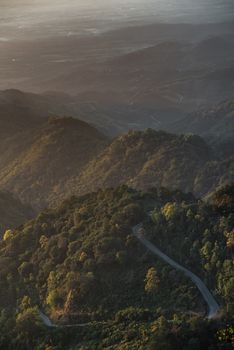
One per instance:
(155,158)
(37,163)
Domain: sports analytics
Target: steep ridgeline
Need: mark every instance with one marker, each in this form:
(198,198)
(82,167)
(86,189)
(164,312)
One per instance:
(12,212)
(36,164)
(80,263)
(215,124)
(154,158)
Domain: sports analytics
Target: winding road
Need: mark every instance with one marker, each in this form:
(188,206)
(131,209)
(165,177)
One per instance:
(138,233)
(213,306)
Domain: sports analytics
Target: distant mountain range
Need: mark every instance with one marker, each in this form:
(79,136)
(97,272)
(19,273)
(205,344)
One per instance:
(134,77)
(170,76)
(44,161)
(150,87)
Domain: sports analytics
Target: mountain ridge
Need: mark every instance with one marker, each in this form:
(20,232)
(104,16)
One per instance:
(154,158)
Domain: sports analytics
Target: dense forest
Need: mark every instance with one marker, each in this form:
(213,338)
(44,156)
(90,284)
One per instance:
(81,266)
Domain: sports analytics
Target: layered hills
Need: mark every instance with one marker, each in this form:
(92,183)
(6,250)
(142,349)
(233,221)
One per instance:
(173,68)
(46,160)
(171,76)
(21,110)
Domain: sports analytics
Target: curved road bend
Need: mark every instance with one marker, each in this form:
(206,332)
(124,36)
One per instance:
(208,297)
(47,322)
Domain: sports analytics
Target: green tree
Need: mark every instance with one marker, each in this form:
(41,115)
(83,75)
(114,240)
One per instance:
(29,326)
(152,281)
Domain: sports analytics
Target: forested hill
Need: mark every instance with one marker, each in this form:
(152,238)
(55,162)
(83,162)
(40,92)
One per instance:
(80,263)
(155,158)
(46,157)
(65,156)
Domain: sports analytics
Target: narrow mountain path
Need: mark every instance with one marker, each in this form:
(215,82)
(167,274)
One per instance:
(207,296)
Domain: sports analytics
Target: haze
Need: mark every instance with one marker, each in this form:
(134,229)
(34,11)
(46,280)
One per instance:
(25,18)
(70,45)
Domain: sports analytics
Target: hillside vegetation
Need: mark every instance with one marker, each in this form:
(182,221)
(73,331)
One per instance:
(56,261)
(155,158)
(65,156)
(37,163)
(200,237)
